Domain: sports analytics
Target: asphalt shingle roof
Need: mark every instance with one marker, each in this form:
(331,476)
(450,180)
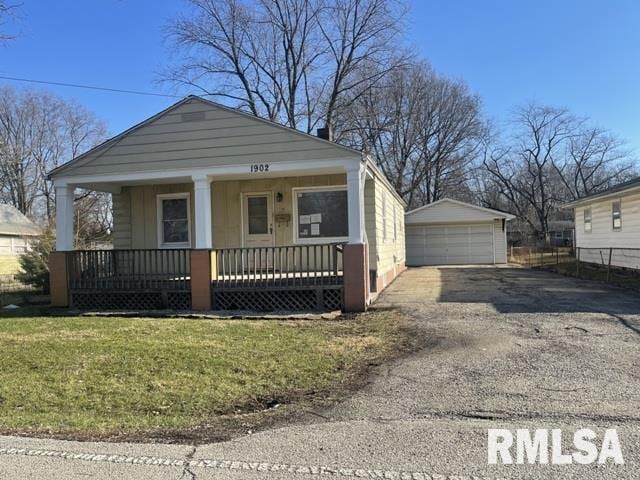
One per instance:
(12,222)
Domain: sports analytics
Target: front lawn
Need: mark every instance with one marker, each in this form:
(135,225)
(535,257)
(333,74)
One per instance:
(106,377)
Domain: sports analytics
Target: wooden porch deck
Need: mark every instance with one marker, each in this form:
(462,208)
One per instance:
(301,277)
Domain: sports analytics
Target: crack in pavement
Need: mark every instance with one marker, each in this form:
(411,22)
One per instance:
(187,473)
(245,466)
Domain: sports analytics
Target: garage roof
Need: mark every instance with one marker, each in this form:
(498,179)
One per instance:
(13,222)
(448,210)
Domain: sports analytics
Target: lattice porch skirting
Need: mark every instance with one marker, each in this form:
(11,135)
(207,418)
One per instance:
(131,300)
(267,299)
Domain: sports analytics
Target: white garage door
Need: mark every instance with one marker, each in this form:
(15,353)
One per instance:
(449,245)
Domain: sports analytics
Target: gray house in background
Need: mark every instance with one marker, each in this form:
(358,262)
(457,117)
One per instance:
(16,231)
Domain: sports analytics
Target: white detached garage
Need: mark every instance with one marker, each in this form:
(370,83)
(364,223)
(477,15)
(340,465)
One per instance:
(449,232)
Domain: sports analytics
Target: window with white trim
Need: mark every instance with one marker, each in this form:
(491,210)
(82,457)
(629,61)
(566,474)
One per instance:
(174,220)
(587,220)
(616,214)
(321,214)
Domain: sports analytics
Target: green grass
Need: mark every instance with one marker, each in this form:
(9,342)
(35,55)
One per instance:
(113,376)
(9,265)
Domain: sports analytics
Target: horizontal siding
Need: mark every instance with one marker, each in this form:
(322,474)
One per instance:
(205,161)
(12,245)
(448,212)
(602,235)
(221,138)
(619,258)
(370,220)
(388,251)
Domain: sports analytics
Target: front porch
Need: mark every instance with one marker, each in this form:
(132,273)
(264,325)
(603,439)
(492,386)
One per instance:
(308,277)
(222,242)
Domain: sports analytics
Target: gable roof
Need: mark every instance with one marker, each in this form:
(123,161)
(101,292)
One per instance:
(107,152)
(629,186)
(448,210)
(13,222)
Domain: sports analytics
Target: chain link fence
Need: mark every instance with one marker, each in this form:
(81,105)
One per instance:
(617,266)
(540,256)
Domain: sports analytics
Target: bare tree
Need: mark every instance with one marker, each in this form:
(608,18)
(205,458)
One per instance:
(524,172)
(38,132)
(552,157)
(594,161)
(7,10)
(20,179)
(294,61)
(424,130)
(359,34)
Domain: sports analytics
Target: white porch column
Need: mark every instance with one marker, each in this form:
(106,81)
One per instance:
(64,218)
(202,194)
(355,199)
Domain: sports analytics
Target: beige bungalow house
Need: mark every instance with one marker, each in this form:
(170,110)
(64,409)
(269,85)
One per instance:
(218,209)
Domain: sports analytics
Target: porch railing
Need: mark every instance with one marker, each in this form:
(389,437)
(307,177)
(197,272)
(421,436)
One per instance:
(127,270)
(296,277)
(288,266)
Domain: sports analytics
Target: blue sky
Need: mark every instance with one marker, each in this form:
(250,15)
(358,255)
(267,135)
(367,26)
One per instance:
(582,54)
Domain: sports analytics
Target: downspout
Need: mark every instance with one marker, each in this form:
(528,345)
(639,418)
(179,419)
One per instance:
(363,229)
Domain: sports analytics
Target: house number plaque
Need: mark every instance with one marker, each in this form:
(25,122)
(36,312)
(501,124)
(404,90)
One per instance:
(259,167)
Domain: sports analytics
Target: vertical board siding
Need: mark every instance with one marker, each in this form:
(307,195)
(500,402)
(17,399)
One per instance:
(135,219)
(122,219)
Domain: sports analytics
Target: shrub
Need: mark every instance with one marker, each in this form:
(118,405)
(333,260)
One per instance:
(34,264)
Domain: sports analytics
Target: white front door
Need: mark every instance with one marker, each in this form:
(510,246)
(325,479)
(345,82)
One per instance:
(258,219)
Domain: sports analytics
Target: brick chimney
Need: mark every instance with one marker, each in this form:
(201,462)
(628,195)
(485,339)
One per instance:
(326,133)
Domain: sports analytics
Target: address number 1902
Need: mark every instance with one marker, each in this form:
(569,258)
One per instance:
(259,167)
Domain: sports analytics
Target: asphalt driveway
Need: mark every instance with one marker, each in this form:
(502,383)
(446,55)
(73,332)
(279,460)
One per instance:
(502,348)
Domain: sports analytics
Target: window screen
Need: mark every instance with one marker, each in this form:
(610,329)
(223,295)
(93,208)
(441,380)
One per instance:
(616,214)
(322,214)
(587,219)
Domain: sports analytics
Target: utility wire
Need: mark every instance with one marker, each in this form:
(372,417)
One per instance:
(88,87)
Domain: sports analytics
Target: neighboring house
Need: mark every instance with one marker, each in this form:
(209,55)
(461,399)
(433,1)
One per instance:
(456,233)
(288,217)
(560,234)
(609,219)
(16,231)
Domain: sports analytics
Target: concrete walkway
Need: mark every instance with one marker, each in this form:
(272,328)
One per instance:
(505,348)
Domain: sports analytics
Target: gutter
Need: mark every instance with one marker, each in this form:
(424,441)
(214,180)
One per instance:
(597,197)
